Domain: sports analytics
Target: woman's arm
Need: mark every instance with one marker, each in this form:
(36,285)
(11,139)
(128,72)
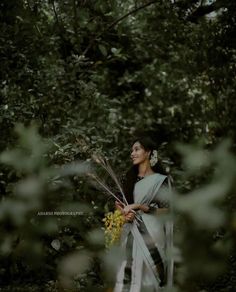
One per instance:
(144,208)
(158,207)
(150,209)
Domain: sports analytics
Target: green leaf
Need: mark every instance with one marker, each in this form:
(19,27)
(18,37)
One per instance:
(103,50)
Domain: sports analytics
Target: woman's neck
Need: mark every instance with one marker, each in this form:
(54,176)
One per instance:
(144,169)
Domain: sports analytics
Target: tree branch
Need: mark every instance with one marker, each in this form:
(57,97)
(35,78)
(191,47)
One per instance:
(75,17)
(35,24)
(204,10)
(55,13)
(114,23)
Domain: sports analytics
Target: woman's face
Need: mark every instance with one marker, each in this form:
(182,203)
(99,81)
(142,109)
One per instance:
(139,154)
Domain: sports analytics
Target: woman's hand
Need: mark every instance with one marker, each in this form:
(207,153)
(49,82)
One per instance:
(119,206)
(129,217)
(131,208)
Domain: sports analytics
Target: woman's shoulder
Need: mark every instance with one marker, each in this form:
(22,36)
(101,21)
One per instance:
(161,179)
(155,178)
(161,176)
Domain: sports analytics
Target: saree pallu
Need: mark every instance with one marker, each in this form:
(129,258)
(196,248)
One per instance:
(146,243)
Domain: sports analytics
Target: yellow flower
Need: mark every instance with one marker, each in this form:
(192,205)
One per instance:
(113,226)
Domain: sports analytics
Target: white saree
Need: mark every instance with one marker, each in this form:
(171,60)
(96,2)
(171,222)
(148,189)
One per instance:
(146,266)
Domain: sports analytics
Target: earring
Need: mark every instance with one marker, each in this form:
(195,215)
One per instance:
(153,158)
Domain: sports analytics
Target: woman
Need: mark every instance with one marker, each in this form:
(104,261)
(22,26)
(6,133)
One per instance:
(145,238)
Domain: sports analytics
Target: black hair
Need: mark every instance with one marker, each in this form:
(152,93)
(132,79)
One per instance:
(131,175)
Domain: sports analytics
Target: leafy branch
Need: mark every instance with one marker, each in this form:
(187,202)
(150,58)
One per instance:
(115,22)
(203,10)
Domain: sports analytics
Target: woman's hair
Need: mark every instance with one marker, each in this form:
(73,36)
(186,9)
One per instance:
(131,175)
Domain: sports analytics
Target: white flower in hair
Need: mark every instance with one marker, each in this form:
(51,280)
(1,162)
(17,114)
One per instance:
(153,158)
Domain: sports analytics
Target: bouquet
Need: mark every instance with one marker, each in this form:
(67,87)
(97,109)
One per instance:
(113,226)
(113,221)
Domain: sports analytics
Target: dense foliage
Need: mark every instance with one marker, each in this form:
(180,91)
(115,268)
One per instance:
(79,77)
